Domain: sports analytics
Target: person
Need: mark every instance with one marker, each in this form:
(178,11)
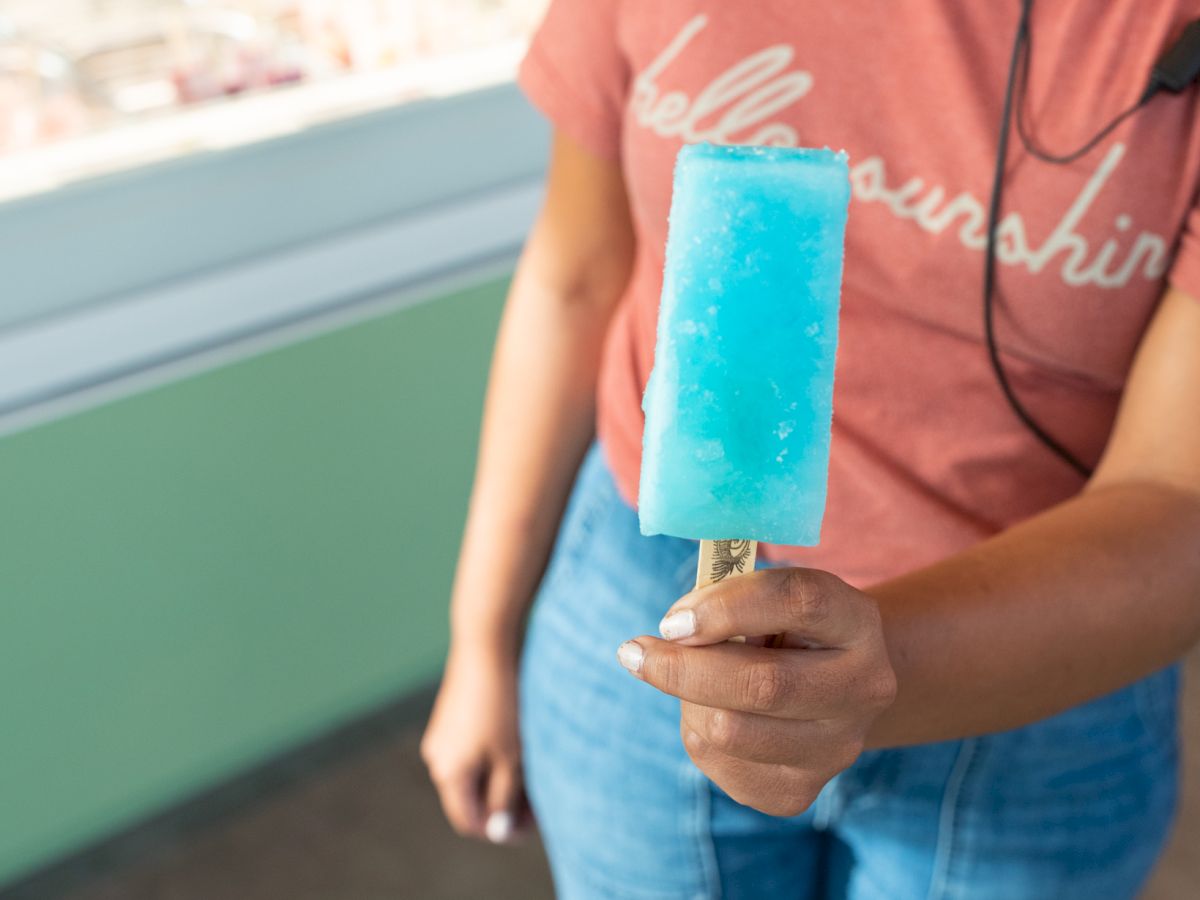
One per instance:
(977,693)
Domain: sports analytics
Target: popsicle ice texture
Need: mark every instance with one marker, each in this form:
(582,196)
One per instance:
(740,400)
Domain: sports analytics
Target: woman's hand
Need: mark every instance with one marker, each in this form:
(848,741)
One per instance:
(473,749)
(771,726)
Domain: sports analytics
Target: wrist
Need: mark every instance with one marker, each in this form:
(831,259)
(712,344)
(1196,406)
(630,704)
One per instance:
(494,642)
(486,619)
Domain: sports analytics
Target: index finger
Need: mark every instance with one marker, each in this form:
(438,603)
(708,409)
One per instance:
(788,684)
(812,607)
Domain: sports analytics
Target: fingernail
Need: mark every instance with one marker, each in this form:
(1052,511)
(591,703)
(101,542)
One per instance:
(631,654)
(678,625)
(499,827)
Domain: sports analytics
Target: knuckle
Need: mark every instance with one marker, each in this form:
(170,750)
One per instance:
(869,618)
(440,774)
(871,612)
(804,596)
(765,688)
(445,772)
(725,730)
(880,689)
(696,747)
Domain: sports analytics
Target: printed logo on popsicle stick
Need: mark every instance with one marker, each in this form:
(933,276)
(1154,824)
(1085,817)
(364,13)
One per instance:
(729,557)
(721,559)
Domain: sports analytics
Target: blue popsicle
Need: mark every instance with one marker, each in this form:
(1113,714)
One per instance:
(740,400)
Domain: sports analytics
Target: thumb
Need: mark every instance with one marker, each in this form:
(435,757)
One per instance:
(503,800)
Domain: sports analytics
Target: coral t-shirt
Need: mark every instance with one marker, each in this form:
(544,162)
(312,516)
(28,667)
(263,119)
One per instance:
(926,457)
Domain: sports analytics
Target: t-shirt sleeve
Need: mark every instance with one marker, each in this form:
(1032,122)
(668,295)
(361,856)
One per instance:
(1185,268)
(576,74)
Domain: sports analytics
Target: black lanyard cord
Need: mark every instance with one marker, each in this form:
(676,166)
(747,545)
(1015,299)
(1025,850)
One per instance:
(989,264)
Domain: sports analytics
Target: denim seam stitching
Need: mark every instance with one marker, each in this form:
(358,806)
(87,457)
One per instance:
(948,818)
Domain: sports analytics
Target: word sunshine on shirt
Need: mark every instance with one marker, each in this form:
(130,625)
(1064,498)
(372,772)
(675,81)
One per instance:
(752,91)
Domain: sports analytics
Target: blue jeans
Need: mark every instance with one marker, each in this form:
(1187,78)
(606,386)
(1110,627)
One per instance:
(1078,805)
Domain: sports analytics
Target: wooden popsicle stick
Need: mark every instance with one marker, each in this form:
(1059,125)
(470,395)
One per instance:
(725,559)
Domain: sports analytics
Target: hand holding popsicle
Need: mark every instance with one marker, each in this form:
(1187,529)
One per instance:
(739,404)
(771,726)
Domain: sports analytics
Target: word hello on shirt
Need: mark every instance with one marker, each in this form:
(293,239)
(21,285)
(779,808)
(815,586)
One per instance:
(749,93)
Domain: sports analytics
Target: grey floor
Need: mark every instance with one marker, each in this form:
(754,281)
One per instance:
(368,828)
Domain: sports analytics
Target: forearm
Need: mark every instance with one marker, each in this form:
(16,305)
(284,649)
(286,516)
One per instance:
(1076,602)
(538,421)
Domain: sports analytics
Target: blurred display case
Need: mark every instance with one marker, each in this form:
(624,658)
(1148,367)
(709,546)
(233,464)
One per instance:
(90,87)
(185,182)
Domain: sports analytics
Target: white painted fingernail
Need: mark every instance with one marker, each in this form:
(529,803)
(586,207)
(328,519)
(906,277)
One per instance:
(631,655)
(499,827)
(678,625)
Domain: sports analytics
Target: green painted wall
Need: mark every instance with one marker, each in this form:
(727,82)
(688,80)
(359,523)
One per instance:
(194,578)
